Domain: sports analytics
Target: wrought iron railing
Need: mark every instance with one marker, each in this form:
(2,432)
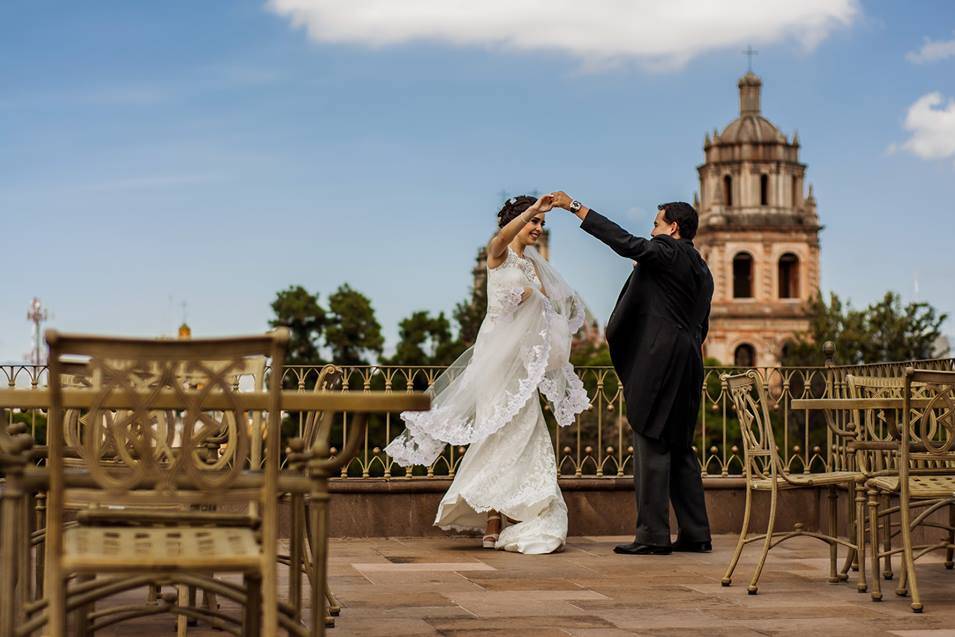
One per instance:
(598,443)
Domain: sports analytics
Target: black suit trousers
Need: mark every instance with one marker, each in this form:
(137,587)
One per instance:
(666,474)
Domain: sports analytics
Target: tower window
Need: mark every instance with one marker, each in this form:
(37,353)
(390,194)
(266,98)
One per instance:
(785,351)
(742,276)
(728,190)
(745,355)
(795,192)
(764,190)
(789,276)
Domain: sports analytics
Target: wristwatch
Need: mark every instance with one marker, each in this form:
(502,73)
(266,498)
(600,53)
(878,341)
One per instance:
(575,206)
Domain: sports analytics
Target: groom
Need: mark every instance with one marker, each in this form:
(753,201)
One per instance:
(655,335)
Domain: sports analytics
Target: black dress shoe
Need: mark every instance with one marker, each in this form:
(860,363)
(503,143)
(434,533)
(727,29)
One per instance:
(692,547)
(635,548)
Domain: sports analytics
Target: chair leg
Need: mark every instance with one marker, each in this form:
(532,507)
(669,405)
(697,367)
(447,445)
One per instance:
(852,555)
(8,552)
(24,585)
(887,541)
(252,622)
(182,622)
(295,556)
(40,553)
(741,542)
(908,556)
(193,597)
(82,614)
(862,584)
(833,527)
(774,499)
(874,541)
(318,509)
(334,606)
(950,551)
(902,589)
(56,622)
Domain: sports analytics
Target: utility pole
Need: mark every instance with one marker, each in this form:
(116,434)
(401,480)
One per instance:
(37,315)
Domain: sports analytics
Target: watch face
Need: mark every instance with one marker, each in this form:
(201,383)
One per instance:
(575,205)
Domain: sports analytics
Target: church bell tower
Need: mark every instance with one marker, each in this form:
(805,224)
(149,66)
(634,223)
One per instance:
(759,232)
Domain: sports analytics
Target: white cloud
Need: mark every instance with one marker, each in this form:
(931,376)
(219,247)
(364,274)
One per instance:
(658,33)
(931,122)
(932,51)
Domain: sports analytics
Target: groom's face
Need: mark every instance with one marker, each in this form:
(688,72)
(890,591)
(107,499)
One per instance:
(662,226)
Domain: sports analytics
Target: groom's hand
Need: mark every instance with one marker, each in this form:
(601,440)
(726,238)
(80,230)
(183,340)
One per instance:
(562,200)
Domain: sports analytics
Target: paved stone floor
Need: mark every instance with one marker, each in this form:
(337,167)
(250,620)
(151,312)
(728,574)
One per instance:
(416,586)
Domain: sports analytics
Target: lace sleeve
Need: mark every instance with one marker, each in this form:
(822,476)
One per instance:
(510,299)
(504,302)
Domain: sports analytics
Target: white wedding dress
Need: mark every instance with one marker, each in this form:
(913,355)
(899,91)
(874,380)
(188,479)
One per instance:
(489,399)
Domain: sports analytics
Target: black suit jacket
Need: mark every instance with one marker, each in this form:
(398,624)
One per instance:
(657,329)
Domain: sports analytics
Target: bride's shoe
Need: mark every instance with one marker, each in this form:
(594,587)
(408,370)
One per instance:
(490,539)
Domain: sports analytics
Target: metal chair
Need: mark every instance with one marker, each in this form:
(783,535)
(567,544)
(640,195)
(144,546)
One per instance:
(764,470)
(184,545)
(311,455)
(924,481)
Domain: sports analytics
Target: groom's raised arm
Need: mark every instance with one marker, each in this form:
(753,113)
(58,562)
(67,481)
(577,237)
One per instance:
(659,249)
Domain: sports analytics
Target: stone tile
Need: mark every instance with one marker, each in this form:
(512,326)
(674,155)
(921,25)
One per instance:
(518,584)
(522,603)
(525,595)
(527,632)
(518,625)
(646,620)
(422,581)
(382,627)
(358,599)
(428,586)
(422,567)
(600,632)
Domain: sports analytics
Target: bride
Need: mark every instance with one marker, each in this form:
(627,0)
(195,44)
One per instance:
(489,398)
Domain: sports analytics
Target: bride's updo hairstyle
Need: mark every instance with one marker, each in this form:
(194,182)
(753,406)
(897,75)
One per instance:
(512,208)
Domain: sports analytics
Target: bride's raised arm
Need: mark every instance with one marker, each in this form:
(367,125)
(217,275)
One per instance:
(497,249)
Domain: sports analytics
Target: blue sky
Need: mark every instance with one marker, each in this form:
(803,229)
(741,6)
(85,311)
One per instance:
(215,152)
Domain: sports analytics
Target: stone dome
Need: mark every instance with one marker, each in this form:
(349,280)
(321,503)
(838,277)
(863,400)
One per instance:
(750,126)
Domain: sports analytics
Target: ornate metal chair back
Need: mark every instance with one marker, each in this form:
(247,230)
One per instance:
(141,401)
(751,402)
(928,432)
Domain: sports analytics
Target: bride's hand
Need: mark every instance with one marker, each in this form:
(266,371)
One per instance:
(544,204)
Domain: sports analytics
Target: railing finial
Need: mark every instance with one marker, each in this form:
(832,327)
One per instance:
(829,350)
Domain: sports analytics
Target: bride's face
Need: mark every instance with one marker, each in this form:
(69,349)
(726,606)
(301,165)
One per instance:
(532,230)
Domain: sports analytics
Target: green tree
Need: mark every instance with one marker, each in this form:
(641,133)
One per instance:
(898,332)
(299,310)
(589,353)
(424,340)
(884,331)
(469,314)
(353,333)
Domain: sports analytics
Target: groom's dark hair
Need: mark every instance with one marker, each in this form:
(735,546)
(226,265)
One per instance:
(683,215)
(513,207)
